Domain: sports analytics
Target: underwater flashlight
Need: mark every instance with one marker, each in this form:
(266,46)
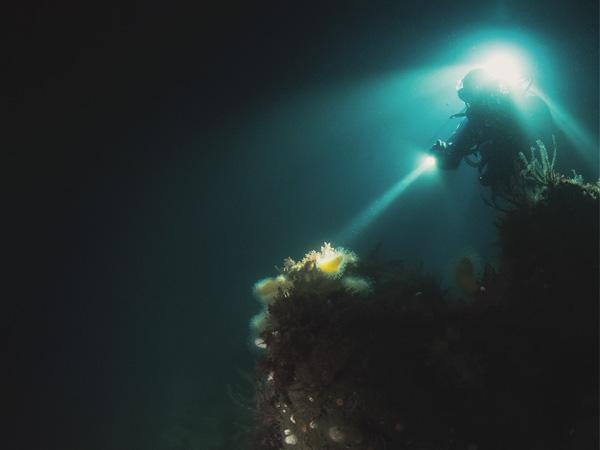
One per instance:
(429,162)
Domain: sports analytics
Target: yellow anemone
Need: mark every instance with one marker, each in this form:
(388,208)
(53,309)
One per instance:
(332,264)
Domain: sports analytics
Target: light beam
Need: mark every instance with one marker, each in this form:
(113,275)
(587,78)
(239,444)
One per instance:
(584,142)
(373,211)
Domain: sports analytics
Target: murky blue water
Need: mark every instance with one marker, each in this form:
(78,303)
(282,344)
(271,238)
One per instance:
(207,164)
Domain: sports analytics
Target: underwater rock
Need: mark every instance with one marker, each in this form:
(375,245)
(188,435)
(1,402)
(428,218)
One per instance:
(403,366)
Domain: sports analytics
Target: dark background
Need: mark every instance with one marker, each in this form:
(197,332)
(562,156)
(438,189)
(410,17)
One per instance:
(134,219)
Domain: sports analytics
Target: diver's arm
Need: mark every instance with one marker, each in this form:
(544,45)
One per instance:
(447,156)
(459,145)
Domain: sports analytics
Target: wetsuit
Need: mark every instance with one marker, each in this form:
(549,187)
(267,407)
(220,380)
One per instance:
(492,134)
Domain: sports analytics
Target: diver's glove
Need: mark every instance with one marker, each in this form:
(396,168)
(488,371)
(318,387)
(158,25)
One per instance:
(446,155)
(439,148)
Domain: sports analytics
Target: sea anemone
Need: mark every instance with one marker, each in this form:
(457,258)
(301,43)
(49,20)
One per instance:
(269,289)
(329,261)
(357,285)
(259,322)
(332,261)
(466,277)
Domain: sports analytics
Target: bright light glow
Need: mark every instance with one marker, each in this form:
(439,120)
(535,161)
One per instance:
(430,162)
(368,216)
(506,65)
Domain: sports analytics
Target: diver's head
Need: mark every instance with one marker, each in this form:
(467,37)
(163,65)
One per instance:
(478,86)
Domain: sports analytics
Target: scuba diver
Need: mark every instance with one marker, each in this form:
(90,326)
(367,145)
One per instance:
(499,122)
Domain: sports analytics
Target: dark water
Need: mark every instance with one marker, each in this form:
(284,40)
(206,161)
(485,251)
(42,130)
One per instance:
(159,160)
